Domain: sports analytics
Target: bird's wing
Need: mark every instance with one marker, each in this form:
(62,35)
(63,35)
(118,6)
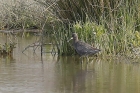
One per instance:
(81,46)
(86,49)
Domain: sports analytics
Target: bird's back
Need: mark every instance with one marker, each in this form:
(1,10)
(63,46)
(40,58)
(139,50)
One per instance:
(83,48)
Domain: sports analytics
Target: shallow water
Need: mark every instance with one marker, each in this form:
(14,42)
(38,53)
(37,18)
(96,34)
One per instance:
(28,73)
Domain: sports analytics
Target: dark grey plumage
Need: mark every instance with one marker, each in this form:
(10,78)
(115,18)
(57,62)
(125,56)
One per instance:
(82,48)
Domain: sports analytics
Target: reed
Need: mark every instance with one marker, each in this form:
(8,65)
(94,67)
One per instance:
(60,35)
(108,42)
(98,36)
(121,41)
(96,10)
(112,26)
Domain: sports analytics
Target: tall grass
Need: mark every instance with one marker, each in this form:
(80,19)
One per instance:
(116,23)
(108,42)
(112,26)
(94,9)
(60,36)
(111,43)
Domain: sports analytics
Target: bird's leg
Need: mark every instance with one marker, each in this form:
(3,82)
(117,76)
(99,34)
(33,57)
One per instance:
(87,59)
(81,59)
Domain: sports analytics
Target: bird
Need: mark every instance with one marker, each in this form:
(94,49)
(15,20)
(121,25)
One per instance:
(82,48)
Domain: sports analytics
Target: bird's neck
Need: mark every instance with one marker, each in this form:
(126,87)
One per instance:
(76,40)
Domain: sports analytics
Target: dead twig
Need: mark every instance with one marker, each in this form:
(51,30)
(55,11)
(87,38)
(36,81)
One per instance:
(35,46)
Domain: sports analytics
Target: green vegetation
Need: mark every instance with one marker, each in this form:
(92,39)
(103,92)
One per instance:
(7,48)
(108,42)
(112,26)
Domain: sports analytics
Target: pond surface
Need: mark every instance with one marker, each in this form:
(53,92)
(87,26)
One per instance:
(29,73)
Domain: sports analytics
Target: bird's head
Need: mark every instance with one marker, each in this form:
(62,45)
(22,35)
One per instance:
(74,37)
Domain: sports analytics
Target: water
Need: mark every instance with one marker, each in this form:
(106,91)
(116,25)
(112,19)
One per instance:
(28,73)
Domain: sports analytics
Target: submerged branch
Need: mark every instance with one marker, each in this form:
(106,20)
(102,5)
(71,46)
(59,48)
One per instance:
(38,44)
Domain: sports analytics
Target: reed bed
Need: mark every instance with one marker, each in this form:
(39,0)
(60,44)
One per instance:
(112,26)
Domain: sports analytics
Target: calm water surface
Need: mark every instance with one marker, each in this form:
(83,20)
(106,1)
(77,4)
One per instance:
(27,73)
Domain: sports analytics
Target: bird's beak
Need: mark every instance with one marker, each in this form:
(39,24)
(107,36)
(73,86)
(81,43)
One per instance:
(70,39)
